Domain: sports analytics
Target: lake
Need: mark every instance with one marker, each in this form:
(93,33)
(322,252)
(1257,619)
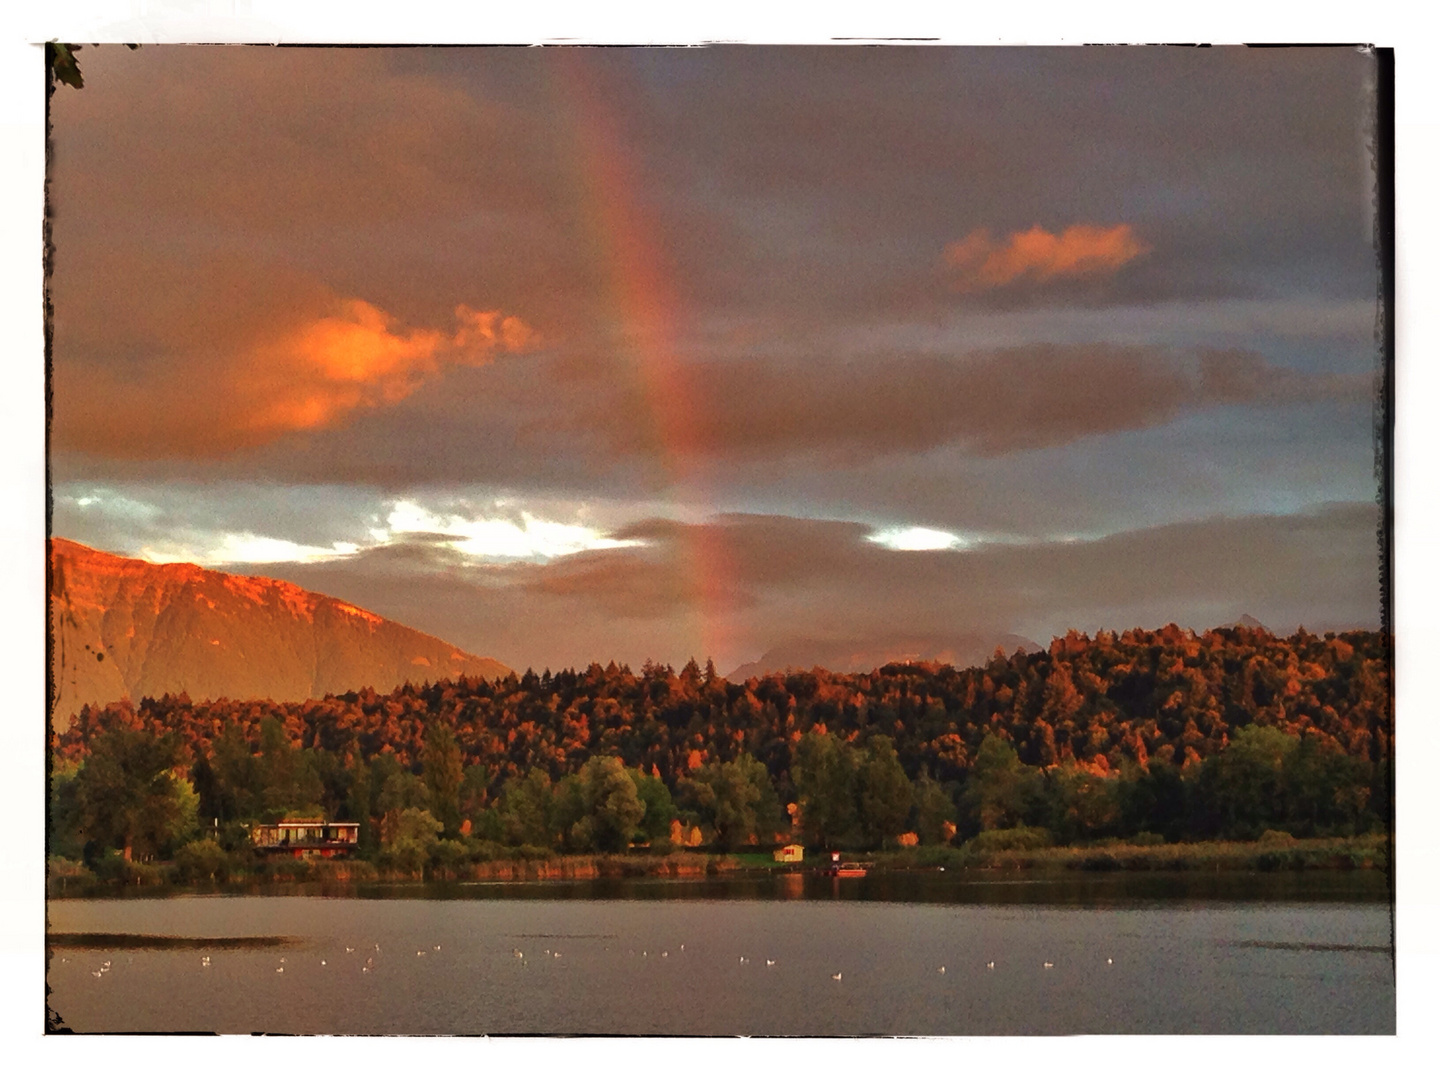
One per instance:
(915,954)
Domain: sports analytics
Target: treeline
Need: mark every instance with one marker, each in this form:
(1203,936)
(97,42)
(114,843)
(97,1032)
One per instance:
(1163,734)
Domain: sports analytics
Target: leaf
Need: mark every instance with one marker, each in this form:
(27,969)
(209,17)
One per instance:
(64,64)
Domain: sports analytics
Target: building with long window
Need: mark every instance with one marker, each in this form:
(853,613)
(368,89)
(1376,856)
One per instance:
(307,838)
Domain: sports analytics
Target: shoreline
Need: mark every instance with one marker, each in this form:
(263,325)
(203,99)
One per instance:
(1366,853)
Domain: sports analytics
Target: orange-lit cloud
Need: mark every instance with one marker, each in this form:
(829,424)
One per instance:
(359,359)
(315,371)
(1080,251)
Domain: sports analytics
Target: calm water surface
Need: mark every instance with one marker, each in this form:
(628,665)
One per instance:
(1108,954)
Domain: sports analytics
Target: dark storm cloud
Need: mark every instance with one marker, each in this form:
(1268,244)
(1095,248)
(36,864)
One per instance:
(860,160)
(989,403)
(823,182)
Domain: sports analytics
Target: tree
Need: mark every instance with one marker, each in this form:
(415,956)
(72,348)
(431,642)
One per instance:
(472,792)
(736,799)
(409,835)
(1152,798)
(612,804)
(999,790)
(131,794)
(525,809)
(1326,790)
(934,811)
(444,776)
(359,805)
(1243,787)
(885,792)
(659,805)
(288,777)
(65,835)
(568,809)
(1078,803)
(402,790)
(824,774)
(235,777)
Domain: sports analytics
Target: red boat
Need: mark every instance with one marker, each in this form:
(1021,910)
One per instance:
(846,869)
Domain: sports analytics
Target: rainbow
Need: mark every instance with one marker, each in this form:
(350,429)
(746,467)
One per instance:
(650,315)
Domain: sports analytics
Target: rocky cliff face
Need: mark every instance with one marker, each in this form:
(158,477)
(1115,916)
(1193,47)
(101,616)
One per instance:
(128,628)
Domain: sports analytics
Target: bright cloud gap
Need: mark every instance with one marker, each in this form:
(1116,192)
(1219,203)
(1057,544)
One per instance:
(497,538)
(917,538)
(478,539)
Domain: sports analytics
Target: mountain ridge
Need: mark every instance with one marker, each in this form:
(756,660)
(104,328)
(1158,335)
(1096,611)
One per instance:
(127,628)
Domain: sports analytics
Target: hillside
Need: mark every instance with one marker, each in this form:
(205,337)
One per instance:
(129,628)
(964,650)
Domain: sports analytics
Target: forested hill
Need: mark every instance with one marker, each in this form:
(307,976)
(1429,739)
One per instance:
(1165,697)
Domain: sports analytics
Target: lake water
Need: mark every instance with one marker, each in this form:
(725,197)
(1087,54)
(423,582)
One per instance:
(1142,953)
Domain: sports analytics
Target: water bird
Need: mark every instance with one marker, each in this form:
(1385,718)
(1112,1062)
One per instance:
(1109,961)
(557,956)
(419,952)
(837,976)
(280,971)
(437,948)
(349,948)
(664,954)
(97,974)
(322,963)
(282,959)
(769,963)
(991,965)
(682,948)
(518,954)
(942,969)
(1048,964)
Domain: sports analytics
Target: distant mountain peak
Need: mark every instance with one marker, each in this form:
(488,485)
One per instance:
(130,628)
(1249,622)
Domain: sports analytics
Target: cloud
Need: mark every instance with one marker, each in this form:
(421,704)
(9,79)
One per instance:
(1080,251)
(789,579)
(358,359)
(987,403)
(497,538)
(208,388)
(231,549)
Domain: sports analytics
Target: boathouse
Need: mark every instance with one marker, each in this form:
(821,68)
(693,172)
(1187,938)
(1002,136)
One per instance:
(790,853)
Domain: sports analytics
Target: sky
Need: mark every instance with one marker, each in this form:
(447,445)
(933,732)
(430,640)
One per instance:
(571,355)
